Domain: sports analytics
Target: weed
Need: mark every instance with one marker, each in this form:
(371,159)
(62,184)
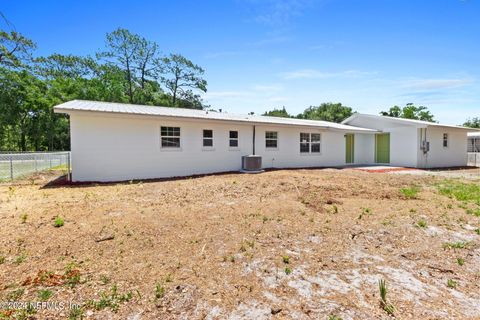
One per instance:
(365,211)
(58,222)
(286,259)
(75,314)
(334,317)
(44,294)
(168,277)
(72,275)
(24,217)
(413,210)
(410,192)
(456,245)
(422,223)
(288,270)
(104,279)
(159,291)
(387,307)
(19,259)
(449,206)
(460,261)
(110,299)
(451,283)
(335,209)
(15,294)
(2,259)
(474,212)
(477,231)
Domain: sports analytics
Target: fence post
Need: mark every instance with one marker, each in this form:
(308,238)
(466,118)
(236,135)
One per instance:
(69,175)
(11,167)
(35,161)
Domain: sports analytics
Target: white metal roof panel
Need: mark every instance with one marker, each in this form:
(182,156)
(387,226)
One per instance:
(123,108)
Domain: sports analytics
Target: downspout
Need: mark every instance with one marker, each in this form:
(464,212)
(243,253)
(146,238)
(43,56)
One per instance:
(254,140)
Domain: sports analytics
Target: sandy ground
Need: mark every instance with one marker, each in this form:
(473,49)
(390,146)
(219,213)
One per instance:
(296,244)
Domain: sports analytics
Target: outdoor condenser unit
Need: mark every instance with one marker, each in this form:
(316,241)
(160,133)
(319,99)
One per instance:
(252,163)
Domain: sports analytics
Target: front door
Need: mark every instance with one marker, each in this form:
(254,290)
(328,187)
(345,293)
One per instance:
(382,148)
(349,145)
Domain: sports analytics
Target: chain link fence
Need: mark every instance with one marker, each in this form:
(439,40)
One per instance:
(15,165)
(474,159)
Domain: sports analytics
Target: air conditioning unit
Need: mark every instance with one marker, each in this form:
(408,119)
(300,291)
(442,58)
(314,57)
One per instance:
(252,163)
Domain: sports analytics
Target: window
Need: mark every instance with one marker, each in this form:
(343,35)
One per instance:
(310,142)
(208,138)
(271,138)
(445,140)
(170,137)
(233,139)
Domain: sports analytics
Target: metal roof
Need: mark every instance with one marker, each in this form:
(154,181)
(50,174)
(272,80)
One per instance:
(418,123)
(134,109)
(473,134)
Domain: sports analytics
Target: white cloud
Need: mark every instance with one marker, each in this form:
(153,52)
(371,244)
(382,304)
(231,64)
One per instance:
(279,12)
(434,84)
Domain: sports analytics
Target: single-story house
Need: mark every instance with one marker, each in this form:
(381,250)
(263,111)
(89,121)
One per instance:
(114,141)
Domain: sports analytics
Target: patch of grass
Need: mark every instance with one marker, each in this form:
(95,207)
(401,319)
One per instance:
(72,275)
(110,299)
(477,231)
(75,314)
(20,259)
(421,223)
(335,208)
(159,291)
(386,306)
(456,245)
(288,270)
(410,192)
(365,211)
(59,222)
(461,191)
(15,294)
(2,259)
(460,261)
(451,283)
(475,212)
(44,294)
(334,317)
(286,259)
(104,279)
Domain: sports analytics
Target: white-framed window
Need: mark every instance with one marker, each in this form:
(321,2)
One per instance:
(233,139)
(170,137)
(208,138)
(271,139)
(445,140)
(310,142)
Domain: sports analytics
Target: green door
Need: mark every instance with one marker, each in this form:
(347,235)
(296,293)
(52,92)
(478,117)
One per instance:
(349,145)
(382,148)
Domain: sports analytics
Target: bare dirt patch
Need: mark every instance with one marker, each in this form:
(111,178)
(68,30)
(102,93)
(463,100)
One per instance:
(296,244)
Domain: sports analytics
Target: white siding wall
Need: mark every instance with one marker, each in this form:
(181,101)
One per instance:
(288,155)
(454,155)
(118,147)
(109,148)
(364,148)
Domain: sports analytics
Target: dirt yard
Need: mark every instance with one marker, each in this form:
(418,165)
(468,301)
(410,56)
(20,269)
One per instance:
(288,244)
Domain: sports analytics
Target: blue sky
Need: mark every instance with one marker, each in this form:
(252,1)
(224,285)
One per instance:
(261,54)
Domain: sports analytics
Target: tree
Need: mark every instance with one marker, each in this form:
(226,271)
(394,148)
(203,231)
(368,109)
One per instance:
(15,49)
(334,112)
(410,111)
(472,123)
(180,76)
(278,113)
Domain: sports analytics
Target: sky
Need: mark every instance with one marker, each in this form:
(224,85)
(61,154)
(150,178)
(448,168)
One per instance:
(265,54)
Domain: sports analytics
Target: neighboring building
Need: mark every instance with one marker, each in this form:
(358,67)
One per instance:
(410,143)
(473,142)
(113,141)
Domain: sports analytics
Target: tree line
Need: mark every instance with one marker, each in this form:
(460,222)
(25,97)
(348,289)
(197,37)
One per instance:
(129,69)
(336,112)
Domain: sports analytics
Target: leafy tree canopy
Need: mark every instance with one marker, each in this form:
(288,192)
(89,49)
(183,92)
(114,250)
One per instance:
(278,113)
(410,111)
(472,123)
(334,112)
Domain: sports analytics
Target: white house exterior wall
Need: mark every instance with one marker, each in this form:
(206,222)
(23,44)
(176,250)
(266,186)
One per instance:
(287,155)
(455,155)
(114,148)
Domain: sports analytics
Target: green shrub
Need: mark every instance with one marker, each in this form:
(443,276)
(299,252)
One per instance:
(58,222)
(410,192)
